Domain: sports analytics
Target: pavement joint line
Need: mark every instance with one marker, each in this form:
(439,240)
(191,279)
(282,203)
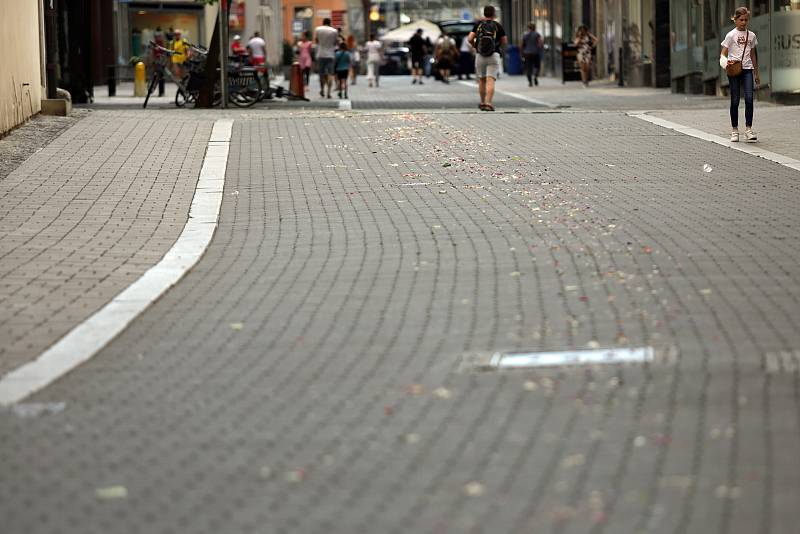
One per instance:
(741,146)
(89,337)
(514,95)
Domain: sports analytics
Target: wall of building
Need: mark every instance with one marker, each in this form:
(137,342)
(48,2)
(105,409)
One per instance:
(20,63)
(698,27)
(316,10)
(265,17)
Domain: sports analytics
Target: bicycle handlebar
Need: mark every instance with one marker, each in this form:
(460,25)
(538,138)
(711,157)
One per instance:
(160,48)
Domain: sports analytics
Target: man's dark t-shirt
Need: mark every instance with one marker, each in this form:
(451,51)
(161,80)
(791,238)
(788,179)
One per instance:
(498,36)
(530,43)
(417,46)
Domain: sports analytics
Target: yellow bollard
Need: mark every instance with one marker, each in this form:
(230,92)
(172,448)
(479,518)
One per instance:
(139,81)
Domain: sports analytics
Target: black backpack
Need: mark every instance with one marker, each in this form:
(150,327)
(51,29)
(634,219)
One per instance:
(486,38)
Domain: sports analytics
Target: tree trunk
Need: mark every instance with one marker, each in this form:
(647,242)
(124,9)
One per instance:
(210,77)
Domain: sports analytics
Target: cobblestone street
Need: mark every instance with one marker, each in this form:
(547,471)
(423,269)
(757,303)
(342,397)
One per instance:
(323,367)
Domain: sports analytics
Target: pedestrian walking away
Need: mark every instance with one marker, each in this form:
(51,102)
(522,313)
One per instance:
(487,38)
(445,55)
(342,62)
(305,57)
(418,50)
(532,49)
(739,59)
(585,42)
(326,39)
(374,60)
(258,51)
(466,59)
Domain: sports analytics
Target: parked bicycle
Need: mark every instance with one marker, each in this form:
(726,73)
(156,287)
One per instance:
(244,82)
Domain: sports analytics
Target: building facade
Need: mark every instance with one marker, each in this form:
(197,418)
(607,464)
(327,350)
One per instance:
(698,27)
(21,63)
(136,22)
(633,35)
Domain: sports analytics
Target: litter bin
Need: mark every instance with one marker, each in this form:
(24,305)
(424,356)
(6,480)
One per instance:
(513,60)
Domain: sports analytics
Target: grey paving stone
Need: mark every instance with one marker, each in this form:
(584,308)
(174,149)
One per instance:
(78,210)
(311,373)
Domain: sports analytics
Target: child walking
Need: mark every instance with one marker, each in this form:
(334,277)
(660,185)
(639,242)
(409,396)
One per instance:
(739,47)
(341,64)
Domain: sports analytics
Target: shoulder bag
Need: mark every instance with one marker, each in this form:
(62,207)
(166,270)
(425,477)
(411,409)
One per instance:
(735,68)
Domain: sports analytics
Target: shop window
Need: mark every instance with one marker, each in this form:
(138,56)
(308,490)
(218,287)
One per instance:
(680,25)
(760,7)
(786,5)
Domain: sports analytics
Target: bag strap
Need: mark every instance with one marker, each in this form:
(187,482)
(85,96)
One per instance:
(746,40)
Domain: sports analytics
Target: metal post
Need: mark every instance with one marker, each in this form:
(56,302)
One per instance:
(112,80)
(223,51)
(51,30)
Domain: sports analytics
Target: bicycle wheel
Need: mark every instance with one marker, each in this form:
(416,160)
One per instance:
(150,89)
(247,95)
(184,96)
(181,98)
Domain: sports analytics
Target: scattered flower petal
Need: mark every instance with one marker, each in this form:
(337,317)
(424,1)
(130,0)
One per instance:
(474,489)
(111,492)
(295,475)
(442,393)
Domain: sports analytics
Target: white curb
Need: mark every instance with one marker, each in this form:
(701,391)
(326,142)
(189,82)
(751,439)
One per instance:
(741,146)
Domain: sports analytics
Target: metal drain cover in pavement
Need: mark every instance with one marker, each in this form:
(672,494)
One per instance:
(524,360)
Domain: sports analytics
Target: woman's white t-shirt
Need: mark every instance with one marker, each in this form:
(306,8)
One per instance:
(374,51)
(735,40)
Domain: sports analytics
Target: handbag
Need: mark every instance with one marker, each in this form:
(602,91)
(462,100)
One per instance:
(735,68)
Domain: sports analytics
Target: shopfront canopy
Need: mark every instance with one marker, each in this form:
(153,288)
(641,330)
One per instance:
(404,32)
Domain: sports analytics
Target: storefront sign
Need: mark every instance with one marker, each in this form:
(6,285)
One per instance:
(297,26)
(786,51)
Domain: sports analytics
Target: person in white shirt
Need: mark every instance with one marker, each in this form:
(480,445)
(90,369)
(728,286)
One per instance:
(466,61)
(327,40)
(739,47)
(374,60)
(257,48)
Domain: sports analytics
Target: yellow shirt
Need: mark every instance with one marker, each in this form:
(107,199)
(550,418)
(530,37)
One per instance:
(179,46)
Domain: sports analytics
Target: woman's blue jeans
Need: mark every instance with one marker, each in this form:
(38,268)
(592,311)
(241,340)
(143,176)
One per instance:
(745,79)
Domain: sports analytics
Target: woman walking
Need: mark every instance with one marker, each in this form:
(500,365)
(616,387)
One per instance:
(444,54)
(304,54)
(739,59)
(374,58)
(585,42)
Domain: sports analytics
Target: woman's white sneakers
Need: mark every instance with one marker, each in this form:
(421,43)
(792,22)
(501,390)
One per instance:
(749,135)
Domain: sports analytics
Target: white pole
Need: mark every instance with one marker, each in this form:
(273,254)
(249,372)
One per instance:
(223,52)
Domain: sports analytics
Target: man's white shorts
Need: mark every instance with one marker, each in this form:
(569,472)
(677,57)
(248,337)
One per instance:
(487,66)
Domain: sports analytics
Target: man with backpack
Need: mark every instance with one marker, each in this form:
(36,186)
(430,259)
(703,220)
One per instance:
(487,37)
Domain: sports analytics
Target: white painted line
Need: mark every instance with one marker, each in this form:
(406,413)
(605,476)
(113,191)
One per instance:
(345,105)
(514,95)
(741,146)
(524,360)
(89,337)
